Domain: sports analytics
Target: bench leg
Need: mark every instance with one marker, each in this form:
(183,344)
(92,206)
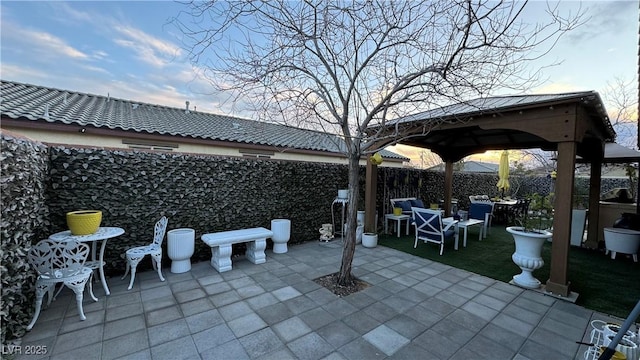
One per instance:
(221,257)
(255,251)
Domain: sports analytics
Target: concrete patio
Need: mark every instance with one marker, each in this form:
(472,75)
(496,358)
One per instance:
(414,309)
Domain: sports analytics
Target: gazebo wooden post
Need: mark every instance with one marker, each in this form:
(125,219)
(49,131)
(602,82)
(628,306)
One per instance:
(594,204)
(370,197)
(448,187)
(558,282)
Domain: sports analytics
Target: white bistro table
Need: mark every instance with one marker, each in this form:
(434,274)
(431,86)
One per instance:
(398,219)
(102,234)
(464,225)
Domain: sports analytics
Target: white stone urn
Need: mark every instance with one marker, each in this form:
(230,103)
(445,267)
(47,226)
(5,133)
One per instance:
(343,194)
(180,247)
(528,254)
(369,240)
(281,233)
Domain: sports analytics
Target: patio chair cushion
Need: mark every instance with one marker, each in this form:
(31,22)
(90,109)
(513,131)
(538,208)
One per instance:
(405,205)
(417,203)
(478,211)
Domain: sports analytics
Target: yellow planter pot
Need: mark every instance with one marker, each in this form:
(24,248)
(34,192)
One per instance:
(397,211)
(84,222)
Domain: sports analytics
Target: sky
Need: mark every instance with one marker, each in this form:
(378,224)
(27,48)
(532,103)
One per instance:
(130,50)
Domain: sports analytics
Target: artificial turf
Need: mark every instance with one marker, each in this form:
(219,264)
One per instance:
(604,285)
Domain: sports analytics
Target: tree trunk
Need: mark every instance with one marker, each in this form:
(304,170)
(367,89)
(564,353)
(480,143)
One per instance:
(349,238)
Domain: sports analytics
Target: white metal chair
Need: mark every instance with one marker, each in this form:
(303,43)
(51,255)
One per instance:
(136,254)
(60,262)
(429,227)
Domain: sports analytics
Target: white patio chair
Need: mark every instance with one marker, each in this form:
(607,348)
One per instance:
(429,227)
(60,262)
(136,254)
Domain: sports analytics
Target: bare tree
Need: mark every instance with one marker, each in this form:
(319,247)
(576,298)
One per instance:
(622,104)
(429,159)
(345,66)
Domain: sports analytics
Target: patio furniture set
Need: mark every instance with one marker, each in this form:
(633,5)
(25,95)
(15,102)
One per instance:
(432,226)
(62,258)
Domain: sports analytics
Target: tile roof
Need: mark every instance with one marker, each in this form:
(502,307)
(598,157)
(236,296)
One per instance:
(471,166)
(38,103)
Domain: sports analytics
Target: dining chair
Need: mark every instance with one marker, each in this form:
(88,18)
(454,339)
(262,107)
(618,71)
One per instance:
(136,254)
(60,262)
(518,211)
(429,228)
(483,212)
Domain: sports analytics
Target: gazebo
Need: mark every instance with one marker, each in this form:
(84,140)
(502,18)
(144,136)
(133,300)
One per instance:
(573,124)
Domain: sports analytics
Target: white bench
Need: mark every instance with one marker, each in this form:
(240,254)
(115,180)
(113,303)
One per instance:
(221,242)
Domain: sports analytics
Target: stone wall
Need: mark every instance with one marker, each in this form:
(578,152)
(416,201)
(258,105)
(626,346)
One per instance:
(207,193)
(24,168)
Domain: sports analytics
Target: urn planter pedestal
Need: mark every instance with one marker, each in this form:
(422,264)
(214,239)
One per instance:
(528,255)
(281,234)
(180,248)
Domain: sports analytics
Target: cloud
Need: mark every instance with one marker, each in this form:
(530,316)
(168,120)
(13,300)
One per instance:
(96,69)
(557,87)
(69,15)
(604,20)
(149,49)
(22,74)
(41,42)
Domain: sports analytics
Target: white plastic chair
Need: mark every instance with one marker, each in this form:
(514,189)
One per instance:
(429,227)
(136,254)
(60,262)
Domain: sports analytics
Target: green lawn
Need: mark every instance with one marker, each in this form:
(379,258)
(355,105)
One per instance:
(605,285)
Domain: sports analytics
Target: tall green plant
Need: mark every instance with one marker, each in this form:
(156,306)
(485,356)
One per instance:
(539,216)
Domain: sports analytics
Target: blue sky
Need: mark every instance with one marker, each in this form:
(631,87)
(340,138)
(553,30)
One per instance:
(129,50)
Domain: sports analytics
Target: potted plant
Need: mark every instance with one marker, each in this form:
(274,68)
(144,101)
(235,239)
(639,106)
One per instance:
(539,217)
(532,230)
(369,240)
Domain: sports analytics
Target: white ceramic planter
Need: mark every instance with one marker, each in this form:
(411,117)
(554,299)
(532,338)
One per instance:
(369,240)
(624,241)
(527,255)
(343,194)
(625,346)
(281,234)
(180,247)
(578,221)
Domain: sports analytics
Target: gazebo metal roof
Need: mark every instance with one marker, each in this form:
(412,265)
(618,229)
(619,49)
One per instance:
(502,122)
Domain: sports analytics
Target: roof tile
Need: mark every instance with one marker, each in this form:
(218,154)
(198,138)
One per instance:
(25,101)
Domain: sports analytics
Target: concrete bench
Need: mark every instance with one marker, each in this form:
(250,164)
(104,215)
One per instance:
(221,242)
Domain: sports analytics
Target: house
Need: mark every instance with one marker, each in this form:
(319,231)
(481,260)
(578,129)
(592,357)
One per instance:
(55,116)
(471,166)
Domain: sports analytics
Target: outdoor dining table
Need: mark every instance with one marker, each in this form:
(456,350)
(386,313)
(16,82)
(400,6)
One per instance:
(502,209)
(103,234)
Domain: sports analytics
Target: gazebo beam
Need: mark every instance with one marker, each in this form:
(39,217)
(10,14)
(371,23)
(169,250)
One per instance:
(595,181)
(558,282)
(370,197)
(448,187)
